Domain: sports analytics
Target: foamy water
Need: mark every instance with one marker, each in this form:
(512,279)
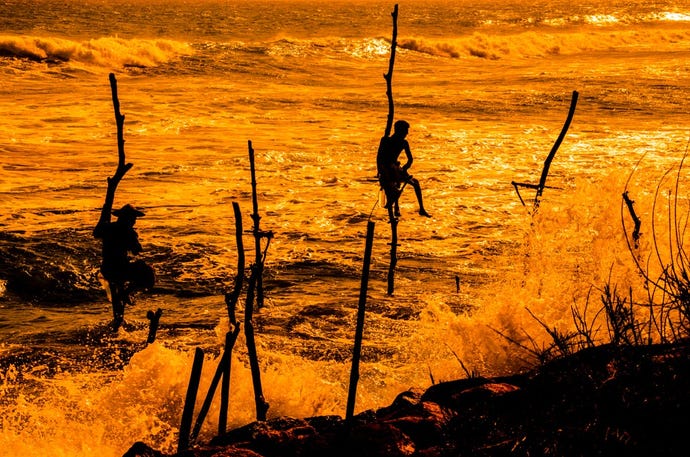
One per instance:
(486,90)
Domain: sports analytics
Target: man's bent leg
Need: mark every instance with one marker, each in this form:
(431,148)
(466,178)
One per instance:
(418,193)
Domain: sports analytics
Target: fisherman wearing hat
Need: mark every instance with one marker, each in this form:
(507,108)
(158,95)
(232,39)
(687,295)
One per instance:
(122,275)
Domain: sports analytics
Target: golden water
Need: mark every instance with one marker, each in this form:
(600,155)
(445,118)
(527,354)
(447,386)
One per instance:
(486,90)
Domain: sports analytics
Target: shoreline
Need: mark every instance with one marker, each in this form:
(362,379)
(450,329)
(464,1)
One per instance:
(606,400)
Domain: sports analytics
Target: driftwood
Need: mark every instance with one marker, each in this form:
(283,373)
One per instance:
(547,163)
(190,400)
(359,331)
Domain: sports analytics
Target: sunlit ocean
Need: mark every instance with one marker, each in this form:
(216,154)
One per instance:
(486,87)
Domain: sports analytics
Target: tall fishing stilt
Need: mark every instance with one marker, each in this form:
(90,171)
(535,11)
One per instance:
(392,205)
(118,294)
(255,291)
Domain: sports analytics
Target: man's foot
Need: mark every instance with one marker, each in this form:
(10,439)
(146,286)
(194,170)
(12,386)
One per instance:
(422,212)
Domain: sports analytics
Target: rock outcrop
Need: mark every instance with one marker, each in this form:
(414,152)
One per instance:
(604,401)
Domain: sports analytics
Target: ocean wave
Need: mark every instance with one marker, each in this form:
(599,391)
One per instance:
(537,44)
(106,52)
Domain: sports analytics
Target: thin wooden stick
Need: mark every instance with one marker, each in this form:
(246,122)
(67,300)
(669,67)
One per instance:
(190,400)
(359,331)
(122,166)
(257,232)
(221,374)
(153,318)
(394,251)
(556,145)
(261,404)
(636,220)
(232,297)
(389,76)
(230,339)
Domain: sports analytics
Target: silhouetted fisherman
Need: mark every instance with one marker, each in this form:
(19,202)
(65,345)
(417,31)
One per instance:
(119,240)
(392,176)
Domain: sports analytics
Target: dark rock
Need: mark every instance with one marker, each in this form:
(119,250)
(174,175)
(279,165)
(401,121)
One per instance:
(604,401)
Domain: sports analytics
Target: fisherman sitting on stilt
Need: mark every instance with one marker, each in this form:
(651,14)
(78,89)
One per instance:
(122,275)
(392,176)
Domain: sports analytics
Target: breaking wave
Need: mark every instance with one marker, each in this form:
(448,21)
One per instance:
(538,44)
(106,52)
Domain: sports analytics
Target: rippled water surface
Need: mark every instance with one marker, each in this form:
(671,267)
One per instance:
(486,90)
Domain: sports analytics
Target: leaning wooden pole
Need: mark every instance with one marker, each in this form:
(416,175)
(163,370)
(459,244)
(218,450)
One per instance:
(222,376)
(359,330)
(223,370)
(261,404)
(539,188)
(556,145)
(230,339)
(190,400)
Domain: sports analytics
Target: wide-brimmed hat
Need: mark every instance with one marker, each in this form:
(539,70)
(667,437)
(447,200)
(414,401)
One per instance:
(127,210)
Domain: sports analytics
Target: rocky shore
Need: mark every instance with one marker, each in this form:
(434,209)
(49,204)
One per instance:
(602,401)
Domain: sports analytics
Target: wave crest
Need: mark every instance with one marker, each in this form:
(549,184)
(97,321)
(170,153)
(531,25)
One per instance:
(107,52)
(535,44)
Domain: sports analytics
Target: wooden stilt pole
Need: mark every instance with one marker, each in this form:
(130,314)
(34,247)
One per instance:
(261,404)
(394,251)
(359,330)
(389,125)
(153,318)
(539,188)
(190,400)
(258,235)
(222,374)
(118,295)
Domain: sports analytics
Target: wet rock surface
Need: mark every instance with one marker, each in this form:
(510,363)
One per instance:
(603,401)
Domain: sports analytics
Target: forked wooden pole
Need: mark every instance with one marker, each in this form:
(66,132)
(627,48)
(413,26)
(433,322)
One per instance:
(118,295)
(539,188)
